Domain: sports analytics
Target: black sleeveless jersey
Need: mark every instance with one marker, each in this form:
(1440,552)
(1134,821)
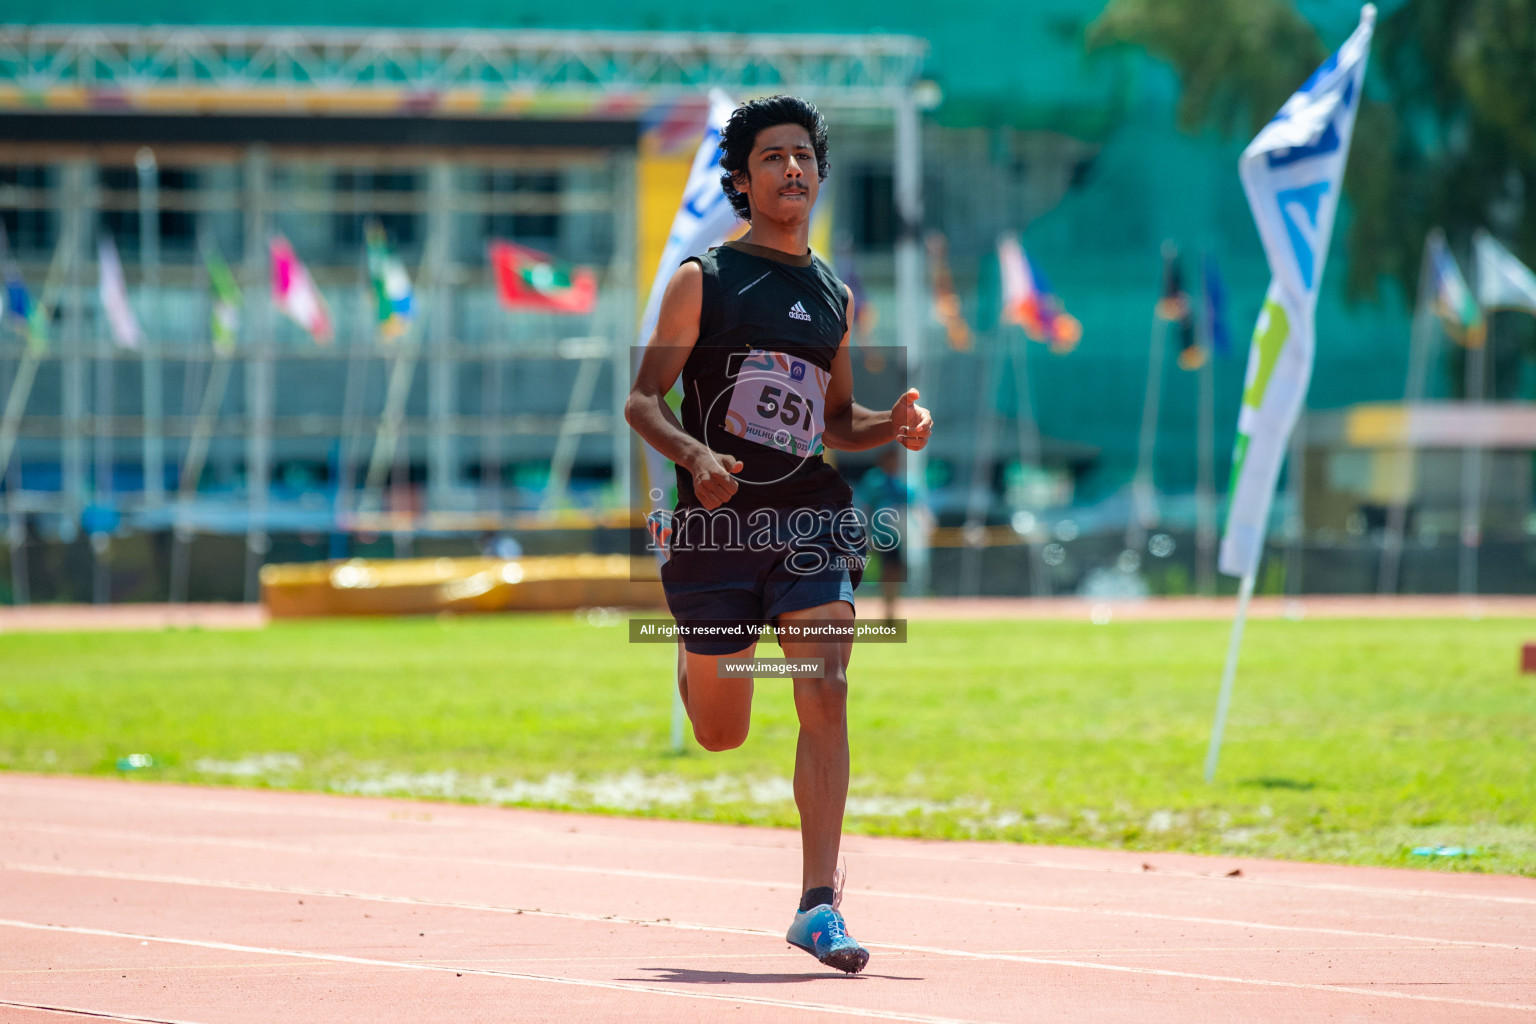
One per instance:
(769,327)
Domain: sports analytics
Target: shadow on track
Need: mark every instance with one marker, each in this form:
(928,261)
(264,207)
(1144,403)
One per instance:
(695,976)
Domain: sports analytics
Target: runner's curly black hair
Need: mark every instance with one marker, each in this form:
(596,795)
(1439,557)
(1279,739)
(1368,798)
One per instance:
(741,130)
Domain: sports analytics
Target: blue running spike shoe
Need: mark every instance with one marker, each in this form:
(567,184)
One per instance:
(822,932)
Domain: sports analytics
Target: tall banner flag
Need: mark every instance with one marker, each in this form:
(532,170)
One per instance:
(1029,302)
(1292,172)
(704,217)
(295,294)
(394,301)
(532,280)
(113,291)
(703,220)
(1503,282)
(224,318)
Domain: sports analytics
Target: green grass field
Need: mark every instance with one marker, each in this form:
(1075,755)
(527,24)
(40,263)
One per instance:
(1349,741)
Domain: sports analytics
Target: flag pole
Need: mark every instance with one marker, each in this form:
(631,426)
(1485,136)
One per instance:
(1229,673)
(192,471)
(1143,486)
(152,384)
(979,495)
(1030,454)
(102,496)
(1407,456)
(16,536)
(1295,520)
(1205,453)
(1472,470)
(1205,484)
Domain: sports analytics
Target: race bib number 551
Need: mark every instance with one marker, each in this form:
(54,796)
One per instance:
(779,401)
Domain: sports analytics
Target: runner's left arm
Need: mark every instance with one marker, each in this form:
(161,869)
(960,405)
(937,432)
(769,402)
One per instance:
(851,427)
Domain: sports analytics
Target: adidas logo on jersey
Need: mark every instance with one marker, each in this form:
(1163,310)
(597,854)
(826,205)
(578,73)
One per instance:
(797,312)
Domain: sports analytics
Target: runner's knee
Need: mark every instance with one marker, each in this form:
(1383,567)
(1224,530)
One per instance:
(715,736)
(823,702)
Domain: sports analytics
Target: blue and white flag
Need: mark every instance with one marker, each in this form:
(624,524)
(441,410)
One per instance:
(1292,172)
(704,219)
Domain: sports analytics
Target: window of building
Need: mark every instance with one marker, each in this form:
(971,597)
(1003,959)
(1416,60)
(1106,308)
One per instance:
(363,195)
(533,197)
(874,207)
(120,201)
(31,225)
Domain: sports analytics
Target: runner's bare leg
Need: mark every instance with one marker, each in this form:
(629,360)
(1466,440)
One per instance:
(682,673)
(720,709)
(821,756)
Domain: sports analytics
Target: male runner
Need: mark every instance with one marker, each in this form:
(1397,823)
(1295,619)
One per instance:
(764,529)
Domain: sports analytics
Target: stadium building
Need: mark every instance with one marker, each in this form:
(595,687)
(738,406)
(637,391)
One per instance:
(156,467)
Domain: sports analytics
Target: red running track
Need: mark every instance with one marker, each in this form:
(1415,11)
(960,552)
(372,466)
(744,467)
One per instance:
(152,902)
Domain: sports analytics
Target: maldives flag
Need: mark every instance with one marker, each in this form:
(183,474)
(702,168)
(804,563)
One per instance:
(295,294)
(529,279)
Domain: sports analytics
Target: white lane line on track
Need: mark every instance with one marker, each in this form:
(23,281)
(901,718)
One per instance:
(570,915)
(824,1008)
(613,986)
(256,844)
(99,1014)
(440,816)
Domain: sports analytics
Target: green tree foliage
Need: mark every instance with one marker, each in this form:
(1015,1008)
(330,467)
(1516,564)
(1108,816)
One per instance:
(1446,137)
(1236,59)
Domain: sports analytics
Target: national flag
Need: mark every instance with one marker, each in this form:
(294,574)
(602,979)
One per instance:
(1029,301)
(1503,282)
(295,294)
(1173,307)
(946,303)
(1449,297)
(529,279)
(1215,307)
(113,291)
(1292,173)
(394,301)
(224,318)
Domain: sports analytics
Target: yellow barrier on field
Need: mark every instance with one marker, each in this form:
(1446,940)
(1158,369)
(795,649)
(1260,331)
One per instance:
(420,586)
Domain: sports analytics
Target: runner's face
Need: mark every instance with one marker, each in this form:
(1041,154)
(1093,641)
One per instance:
(782,181)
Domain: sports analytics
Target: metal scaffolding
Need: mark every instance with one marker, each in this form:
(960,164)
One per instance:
(178,405)
(484,73)
(83,418)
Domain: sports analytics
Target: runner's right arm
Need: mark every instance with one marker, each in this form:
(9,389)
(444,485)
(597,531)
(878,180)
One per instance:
(646,409)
